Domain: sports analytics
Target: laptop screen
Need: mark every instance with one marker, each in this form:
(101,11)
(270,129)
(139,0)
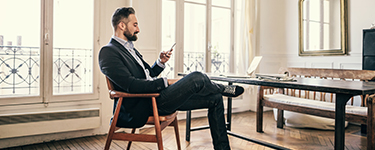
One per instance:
(254,64)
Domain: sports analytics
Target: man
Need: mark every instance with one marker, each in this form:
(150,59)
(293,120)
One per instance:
(125,67)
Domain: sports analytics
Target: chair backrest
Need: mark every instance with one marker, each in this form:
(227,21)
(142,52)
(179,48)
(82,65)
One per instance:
(333,74)
(343,74)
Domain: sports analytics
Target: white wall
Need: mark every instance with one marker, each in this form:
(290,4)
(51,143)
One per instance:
(277,36)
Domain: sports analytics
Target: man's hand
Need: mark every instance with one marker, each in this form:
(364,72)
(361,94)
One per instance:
(171,81)
(165,55)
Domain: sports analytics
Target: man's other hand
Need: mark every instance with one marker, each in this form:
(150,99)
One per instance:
(165,55)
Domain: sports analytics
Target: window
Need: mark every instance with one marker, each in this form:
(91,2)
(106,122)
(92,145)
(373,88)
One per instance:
(221,31)
(207,37)
(195,37)
(46,50)
(72,52)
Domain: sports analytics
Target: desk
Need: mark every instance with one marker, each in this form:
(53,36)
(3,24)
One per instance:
(344,90)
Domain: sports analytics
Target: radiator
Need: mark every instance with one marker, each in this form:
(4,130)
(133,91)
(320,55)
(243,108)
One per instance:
(24,124)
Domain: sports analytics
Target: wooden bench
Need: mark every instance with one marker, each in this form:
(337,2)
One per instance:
(319,103)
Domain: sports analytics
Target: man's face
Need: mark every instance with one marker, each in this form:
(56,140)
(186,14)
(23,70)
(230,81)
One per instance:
(131,28)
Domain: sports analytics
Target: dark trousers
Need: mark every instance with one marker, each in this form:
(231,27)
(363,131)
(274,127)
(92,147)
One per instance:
(196,91)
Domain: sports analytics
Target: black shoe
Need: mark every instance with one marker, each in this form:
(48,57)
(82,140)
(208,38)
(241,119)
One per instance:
(232,91)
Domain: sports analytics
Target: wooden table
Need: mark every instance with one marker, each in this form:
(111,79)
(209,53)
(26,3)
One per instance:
(344,91)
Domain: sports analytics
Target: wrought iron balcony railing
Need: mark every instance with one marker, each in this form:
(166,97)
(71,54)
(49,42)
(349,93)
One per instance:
(72,69)
(20,70)
(194,61)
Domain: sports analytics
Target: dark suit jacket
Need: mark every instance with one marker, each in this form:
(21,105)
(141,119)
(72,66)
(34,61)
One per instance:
(123,70)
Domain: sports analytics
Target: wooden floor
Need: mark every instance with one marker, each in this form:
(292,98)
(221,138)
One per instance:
(243,123)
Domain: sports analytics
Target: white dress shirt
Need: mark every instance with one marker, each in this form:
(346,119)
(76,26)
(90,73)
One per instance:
(130,47)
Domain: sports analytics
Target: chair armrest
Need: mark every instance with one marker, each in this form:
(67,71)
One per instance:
(114,94)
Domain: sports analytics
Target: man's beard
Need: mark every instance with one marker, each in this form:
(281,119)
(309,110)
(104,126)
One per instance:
(129,36)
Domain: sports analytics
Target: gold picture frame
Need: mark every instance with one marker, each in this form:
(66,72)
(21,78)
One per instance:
(320,31)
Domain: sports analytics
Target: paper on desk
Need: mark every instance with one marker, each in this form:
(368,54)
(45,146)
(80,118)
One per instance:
(274,77)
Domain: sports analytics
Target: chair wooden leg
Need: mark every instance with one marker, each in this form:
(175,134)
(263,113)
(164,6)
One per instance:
(280,118)
(130,142)
(157,124)
(177,133)
(109,141)
(159,136)
(363,128)
(112,128)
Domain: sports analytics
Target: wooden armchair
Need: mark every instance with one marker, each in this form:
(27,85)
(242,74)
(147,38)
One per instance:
(159,122)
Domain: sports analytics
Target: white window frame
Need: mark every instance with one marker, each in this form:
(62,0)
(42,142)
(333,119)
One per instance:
(46,66)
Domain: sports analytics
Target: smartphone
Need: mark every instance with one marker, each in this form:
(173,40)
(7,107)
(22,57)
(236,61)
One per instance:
(172,47)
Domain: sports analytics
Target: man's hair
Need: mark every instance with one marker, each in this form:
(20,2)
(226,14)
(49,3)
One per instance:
(120,14)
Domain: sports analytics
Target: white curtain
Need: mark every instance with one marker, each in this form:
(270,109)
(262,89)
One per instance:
(246,45)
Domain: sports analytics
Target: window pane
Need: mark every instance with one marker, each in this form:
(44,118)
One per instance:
(194,37)
(168,34)
(73,46)
(220,35)
(222,3)
(20,47)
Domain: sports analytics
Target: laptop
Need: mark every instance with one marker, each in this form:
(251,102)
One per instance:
(250,71)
